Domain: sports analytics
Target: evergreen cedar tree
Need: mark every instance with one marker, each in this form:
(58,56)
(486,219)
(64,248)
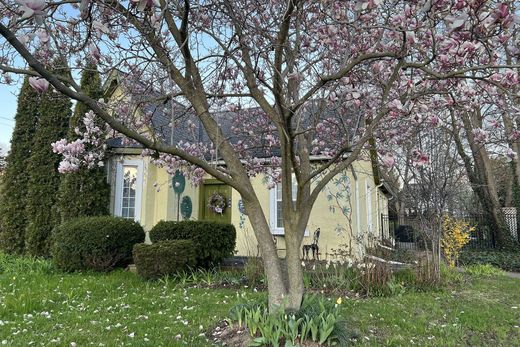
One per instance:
(13,189)
(85,192)
(44,178)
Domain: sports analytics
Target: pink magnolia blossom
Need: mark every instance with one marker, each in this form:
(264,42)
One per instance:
(457,22)
(419,158)
(480,135)
(42,35)
(39,84)
(510,154)
(388,160)
(434,120)
(31,8)
(94,53)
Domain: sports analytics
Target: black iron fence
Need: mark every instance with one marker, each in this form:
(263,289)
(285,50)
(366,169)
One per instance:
(411,232)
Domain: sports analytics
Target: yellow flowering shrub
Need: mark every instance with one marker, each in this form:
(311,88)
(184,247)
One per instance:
(455,235)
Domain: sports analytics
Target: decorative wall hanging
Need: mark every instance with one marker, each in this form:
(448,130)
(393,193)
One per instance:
(178,185)
(217,203)
(186,208)
(178,182)
(241,207)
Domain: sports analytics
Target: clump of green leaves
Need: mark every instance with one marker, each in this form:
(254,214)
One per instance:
(484,270)
(318,320)
(505,260)
(13,264)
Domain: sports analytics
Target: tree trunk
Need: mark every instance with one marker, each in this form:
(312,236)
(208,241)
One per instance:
(483,180)
(293,241)
(276,281)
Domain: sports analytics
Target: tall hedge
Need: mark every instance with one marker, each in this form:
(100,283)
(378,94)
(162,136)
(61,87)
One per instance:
(86,192)
(213,241)
(44,179)
(13,190)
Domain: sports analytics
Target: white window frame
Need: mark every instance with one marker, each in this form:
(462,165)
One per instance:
(118,201)
(273,216)
(369,208)
(358,212)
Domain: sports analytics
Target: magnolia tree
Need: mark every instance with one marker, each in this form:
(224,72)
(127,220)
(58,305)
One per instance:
(306,85)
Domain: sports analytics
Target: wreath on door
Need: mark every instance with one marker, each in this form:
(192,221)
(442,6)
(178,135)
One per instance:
(217,203)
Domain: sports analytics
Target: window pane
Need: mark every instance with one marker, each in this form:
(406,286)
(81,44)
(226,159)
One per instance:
(279,215)
(129,187)
(279,192)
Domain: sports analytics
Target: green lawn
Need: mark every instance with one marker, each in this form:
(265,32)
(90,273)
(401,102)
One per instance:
(484,312)
(43,308)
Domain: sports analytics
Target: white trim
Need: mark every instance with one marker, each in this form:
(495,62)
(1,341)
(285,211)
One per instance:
(358,214)
(369,208)
(272,213)
(119,187)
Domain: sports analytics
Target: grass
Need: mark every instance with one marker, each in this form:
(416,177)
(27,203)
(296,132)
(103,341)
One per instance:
(42,307)
(482,312)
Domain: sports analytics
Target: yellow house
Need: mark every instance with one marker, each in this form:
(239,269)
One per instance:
(351,211)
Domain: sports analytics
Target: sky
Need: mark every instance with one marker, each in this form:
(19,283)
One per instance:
(7,110)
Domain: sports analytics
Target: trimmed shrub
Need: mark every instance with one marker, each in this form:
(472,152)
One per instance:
(95,243)
(213,241)
(163,258)
(508,261)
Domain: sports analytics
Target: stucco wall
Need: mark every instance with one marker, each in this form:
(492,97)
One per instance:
(338,232)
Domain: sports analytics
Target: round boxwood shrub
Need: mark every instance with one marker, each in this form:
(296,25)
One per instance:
(213,241)
(163,258)
(95,243)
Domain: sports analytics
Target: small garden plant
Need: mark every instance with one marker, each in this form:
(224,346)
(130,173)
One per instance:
(318,321)
(455,235)
(484,270)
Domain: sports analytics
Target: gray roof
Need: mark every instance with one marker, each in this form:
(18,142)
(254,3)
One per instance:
(188,128)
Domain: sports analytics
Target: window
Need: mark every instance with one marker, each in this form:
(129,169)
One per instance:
(369,207)
(128,189)
(276,211)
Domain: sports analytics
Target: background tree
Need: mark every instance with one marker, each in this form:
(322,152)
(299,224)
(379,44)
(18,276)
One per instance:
(2,164)
(474,150)
(432,184)
(13,190)
(44,178)
(84,192)
(300,80)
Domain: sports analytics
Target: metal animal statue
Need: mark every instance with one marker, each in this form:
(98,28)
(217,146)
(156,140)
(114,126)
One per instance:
(312,247)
